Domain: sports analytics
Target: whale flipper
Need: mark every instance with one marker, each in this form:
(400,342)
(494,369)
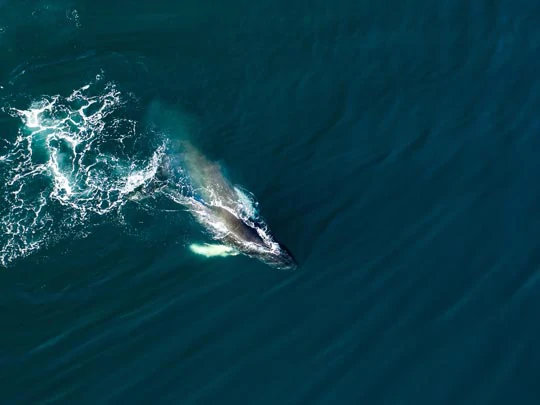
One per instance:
(213,250)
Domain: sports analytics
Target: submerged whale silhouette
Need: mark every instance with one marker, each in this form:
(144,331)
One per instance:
(221,208)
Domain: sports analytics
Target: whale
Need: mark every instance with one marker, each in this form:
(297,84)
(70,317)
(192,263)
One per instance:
(227,212)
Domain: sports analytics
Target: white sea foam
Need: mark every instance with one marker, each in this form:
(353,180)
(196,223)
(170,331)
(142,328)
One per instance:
(68,163)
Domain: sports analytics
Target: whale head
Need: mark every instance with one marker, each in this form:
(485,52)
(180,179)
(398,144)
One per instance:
(254,239)
(273,253)
(282,259)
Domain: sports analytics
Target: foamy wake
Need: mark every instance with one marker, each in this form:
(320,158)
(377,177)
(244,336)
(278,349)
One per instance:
(74,158)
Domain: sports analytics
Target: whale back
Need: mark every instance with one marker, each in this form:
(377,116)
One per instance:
(239,228)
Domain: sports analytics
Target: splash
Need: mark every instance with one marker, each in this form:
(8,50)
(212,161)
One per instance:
(74,159)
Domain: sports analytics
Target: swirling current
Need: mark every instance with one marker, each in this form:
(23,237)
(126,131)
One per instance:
(70,162)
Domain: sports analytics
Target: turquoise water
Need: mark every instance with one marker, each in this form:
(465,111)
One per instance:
(391,147)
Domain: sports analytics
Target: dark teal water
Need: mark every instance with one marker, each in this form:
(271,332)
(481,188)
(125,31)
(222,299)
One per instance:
(393,147)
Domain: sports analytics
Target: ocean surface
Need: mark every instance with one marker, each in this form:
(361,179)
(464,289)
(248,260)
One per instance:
(393,147)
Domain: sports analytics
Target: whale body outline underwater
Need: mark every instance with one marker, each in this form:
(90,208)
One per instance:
(226,211)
